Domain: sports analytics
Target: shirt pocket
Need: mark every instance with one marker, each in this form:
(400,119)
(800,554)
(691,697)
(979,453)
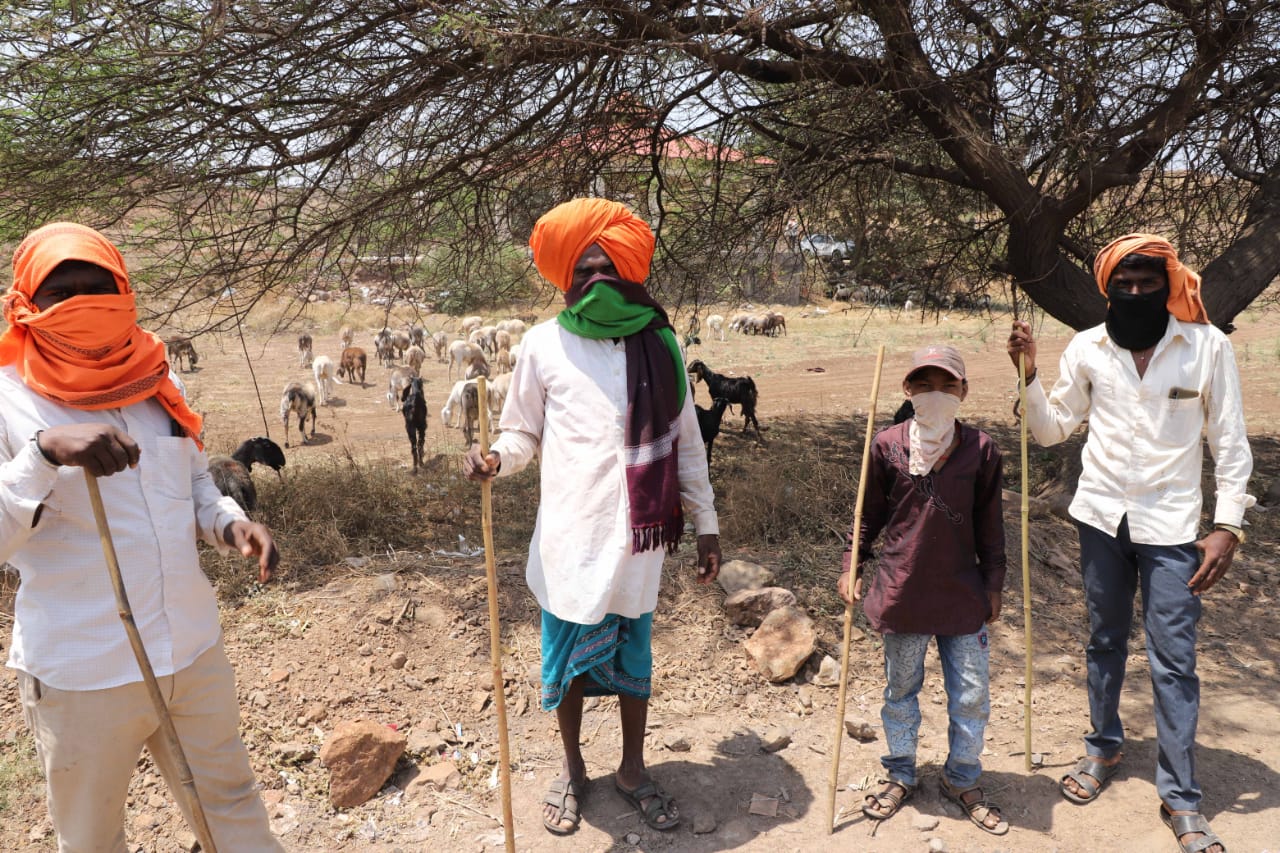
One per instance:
(169,471)
(1178,422)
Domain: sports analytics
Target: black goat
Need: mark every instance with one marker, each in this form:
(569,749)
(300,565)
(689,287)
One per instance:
(735,389)
(413,406)
(709,422)
(231,473)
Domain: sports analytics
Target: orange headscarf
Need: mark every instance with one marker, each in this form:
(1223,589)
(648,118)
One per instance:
(563,233)
(87,352)
(1184,284)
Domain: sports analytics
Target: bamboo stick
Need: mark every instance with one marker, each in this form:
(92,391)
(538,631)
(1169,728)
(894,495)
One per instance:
(1026,554)
(848,608)
(495,633)
(187,786)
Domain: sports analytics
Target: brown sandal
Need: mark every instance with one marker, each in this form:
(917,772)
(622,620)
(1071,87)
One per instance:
(885,803)
(977,808)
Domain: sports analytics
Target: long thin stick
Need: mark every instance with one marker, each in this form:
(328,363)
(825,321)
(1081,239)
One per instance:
(848,608)
(495,634)
(187,789)
(1026,552)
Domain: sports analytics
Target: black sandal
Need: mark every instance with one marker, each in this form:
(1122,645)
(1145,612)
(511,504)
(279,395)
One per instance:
(660,805)
(885,803)
(558,795)
(977,809)
(1090,775)
(1184,823)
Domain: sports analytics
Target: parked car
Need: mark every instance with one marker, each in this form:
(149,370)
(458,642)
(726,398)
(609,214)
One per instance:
(824,247)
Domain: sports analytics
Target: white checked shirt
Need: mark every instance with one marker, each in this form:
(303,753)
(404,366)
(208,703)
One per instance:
(1143,456)
(568,398)
(67,631)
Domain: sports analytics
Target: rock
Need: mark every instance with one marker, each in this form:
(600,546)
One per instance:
(677,743)
(782,643)
(398,660)
(295,753)
(425,742)
(633,838)
(278,676)
(775,740)
(805,698)
(828,674)
(365,650)
(703,822)
(924,822)
(187,841)
(413,683)
(315,713)
(860,730)
(937,845)
(259,699)
(435,777)
(750,606)
(479,699)
(738,575)
(360,756)
(271,798)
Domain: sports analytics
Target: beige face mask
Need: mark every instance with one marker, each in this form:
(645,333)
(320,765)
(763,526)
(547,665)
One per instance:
(932,429)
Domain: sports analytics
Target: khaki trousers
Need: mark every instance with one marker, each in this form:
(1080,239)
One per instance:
(88,742)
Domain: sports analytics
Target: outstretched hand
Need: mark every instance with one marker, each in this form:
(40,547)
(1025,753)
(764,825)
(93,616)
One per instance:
(254,540)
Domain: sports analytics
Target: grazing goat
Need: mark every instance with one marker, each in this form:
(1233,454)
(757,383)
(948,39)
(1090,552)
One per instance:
(417,335)
(231,473)
(396,383)
(179,348)
(513,326)
(401,342)
(414,408)
(715,325)
(736,389)
(414,356)
(454,401)
(464,355)
(470,412)
(497,393)
(384,348)
(304,350)
(299,398)
(323,370)
(502,361)
(470,323)
(709,422)
(352,363)
(440,340)
(347,335)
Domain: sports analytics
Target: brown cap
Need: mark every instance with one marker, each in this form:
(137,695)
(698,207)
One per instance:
(938,355)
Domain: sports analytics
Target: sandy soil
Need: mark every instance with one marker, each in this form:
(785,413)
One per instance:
(310,657)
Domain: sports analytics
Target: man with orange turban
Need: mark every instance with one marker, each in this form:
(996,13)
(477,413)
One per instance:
(601,394)
(1150,380)
(82,386)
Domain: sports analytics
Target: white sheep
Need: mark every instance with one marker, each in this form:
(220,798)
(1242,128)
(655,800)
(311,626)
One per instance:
(715,325)
(513,326)
(464,355)
(324,371)
(469,324)
(299,398)
(497,389)
(502,361)
(396,383)
(454,402)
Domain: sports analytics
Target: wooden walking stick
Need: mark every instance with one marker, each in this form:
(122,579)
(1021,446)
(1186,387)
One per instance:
(1026,558)
(495,636)
(848,608)
(187,788)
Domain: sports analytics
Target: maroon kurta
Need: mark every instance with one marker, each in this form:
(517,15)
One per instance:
(943,546)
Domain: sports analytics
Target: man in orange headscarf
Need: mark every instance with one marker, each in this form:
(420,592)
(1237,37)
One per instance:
(601,394)
(1150,379)
(82,386)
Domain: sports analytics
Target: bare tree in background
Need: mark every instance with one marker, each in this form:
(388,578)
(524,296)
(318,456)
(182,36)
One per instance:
(268,144)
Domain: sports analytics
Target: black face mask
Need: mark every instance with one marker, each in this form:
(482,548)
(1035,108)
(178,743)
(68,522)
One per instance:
(1136,321)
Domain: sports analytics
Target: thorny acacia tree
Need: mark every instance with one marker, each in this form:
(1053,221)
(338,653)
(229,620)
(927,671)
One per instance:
(258,142)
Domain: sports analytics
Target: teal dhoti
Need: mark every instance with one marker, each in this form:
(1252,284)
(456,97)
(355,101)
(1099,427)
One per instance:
(615,653)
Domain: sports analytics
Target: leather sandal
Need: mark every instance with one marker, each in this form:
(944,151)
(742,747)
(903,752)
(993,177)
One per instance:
(558,795)
(661,805)
(1185,823)
(976,807)
(1090,775)
(885,803)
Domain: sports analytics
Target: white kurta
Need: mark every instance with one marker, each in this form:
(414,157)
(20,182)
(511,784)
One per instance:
(568,401)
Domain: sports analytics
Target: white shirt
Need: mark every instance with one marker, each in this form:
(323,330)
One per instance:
(1143,456)
(67,631)
(568,399)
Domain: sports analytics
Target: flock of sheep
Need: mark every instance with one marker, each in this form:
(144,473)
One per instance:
(476,350)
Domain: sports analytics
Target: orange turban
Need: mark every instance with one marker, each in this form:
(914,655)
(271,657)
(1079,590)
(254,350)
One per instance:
(563,233)
(1184,284)
(87,352)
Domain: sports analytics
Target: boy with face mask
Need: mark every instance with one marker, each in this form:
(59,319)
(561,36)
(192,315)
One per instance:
(934,490)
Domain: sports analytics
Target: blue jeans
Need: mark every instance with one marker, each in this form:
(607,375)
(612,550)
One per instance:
(965,666)
(1112,568)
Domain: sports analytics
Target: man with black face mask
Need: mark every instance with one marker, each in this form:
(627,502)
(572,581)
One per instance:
(1150,379)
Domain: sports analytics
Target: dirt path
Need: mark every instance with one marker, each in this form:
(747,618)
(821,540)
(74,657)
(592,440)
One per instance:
(710,713)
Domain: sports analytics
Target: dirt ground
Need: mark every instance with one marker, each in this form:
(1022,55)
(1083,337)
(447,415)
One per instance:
(310,657)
